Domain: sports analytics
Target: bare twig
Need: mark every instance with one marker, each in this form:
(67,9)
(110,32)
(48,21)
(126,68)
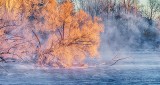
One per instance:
(2,60)
(4,68)
(7,26)
(37,38)
(118,60)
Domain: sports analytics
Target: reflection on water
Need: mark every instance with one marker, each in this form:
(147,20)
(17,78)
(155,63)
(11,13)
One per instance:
(140,69)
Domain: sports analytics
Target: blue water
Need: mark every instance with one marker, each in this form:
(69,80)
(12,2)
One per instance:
(139,69)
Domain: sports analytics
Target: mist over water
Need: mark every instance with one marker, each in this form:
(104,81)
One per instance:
(126,33)
(129,55)
(142,68)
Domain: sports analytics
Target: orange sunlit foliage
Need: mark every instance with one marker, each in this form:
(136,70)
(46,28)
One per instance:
(50,33)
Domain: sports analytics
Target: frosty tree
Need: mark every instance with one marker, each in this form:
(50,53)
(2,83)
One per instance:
(47,32)
(74,36)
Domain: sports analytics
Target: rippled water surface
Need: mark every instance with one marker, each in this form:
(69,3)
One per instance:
(142,68)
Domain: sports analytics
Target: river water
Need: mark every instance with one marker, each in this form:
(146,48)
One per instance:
(142,68)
